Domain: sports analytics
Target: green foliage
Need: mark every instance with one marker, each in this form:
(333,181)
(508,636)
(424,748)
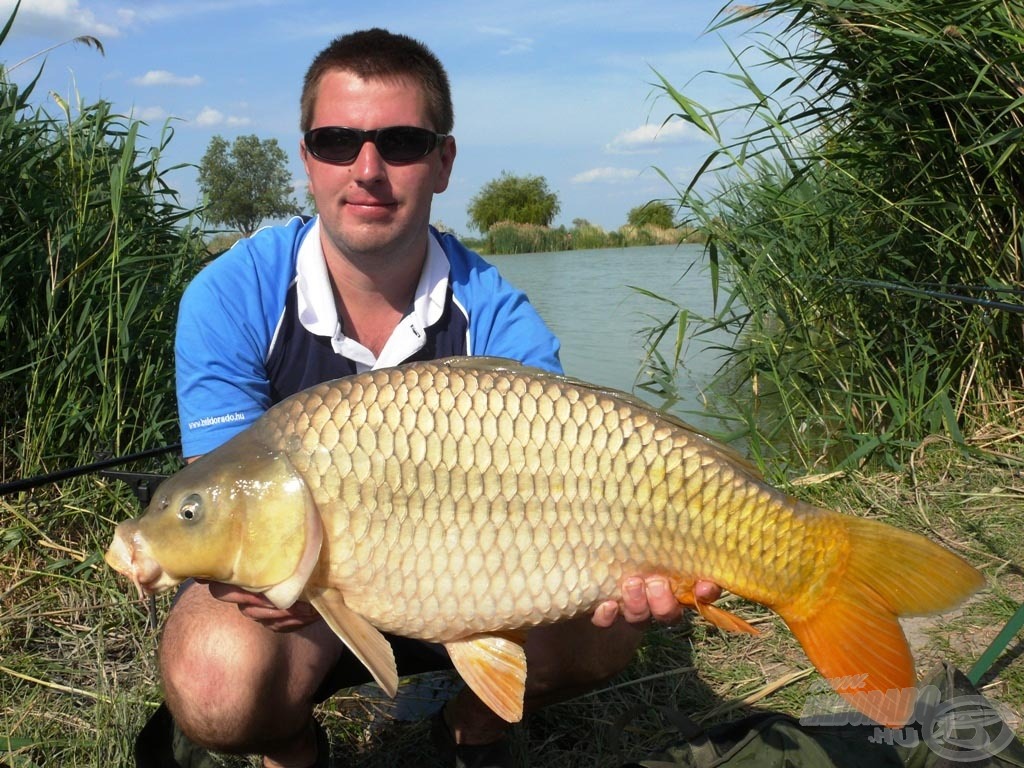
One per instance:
(515,199)
(585,235)
(869,222)
(94,251)
(245,182)
(507,237)
(656,213)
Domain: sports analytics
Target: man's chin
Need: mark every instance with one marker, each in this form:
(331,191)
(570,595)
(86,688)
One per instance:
(382,238)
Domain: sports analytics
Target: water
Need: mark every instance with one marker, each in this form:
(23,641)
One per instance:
(586,299)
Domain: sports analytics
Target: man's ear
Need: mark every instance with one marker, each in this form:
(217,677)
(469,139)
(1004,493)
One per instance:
(447,162)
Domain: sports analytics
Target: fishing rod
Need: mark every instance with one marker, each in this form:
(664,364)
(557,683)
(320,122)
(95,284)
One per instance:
(29,483)
(945,294)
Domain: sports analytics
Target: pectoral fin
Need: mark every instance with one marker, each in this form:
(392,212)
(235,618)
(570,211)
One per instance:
(362,638)
(494,667)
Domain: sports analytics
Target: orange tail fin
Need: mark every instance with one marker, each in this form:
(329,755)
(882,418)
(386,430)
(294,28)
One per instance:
(853,635)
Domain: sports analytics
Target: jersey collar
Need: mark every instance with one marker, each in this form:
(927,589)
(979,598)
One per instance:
(319,314)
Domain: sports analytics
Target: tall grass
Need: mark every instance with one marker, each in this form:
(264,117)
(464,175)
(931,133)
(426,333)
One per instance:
(94,249)
(506,237)
(869,221)
(509,237)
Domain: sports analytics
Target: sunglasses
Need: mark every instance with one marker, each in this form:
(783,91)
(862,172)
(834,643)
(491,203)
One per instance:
(398,144)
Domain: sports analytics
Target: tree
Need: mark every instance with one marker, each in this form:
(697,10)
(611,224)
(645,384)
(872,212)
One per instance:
(245,182)
(519,199)
(656,213)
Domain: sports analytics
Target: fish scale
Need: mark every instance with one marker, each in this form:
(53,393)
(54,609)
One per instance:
(460,500)
(356,452)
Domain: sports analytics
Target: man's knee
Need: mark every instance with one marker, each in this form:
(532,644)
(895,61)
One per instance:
(217,680)
(209,687)
(570,658)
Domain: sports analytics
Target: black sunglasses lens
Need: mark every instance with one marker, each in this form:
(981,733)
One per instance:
(336,145)
(401,144)
(404,144)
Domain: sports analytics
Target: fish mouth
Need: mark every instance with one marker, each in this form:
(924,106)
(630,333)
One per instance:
(129,555)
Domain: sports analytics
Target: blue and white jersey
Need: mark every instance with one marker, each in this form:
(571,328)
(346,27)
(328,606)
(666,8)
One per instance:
(259,323)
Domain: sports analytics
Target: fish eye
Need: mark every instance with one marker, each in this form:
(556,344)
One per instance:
(191,509)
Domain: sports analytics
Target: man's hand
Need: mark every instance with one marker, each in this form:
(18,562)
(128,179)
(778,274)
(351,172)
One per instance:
(261,610)
(650,598)
(642,599)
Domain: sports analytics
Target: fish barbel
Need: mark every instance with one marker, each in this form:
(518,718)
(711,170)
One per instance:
(459,500)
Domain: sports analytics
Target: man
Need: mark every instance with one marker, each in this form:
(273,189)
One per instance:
(365,284)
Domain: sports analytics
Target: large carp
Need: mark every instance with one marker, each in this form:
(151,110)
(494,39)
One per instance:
(460,499)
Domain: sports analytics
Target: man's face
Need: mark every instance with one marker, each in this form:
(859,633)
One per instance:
(369,208)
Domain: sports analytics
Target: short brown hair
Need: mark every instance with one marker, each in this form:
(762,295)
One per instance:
(379,54)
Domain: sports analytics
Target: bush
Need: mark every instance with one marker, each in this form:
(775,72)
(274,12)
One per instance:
(507,237)
(519,199)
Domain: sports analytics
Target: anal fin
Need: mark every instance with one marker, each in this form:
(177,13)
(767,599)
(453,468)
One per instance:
(723,619)
(494,667)
(719,617)
(362,638)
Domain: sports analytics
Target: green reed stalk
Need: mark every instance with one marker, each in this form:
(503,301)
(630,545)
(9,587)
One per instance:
(868,221)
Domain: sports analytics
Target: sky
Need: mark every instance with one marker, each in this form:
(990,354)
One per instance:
(552,88)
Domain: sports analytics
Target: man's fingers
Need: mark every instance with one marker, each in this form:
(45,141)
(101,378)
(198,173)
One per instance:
(644,599)
(634,600)
(707,591)
(606,614)
(258,608)
(663,605)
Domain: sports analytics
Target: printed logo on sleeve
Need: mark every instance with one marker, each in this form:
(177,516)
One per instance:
(209,421)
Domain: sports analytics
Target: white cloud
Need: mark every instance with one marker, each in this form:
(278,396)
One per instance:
(163,77)
(513,43)
(149,114)
(156,12)
(605,174)
(209,117)
(651,137)
(56,19)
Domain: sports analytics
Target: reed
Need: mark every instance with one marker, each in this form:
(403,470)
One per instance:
(510,237)
(507,237)
(94,251)
(868,222)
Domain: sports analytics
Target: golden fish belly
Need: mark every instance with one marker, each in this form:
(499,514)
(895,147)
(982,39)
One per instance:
(460,502)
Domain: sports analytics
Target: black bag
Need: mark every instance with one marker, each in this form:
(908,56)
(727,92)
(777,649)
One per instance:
(954,726)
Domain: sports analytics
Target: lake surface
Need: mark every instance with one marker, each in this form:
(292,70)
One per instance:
(586,299)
